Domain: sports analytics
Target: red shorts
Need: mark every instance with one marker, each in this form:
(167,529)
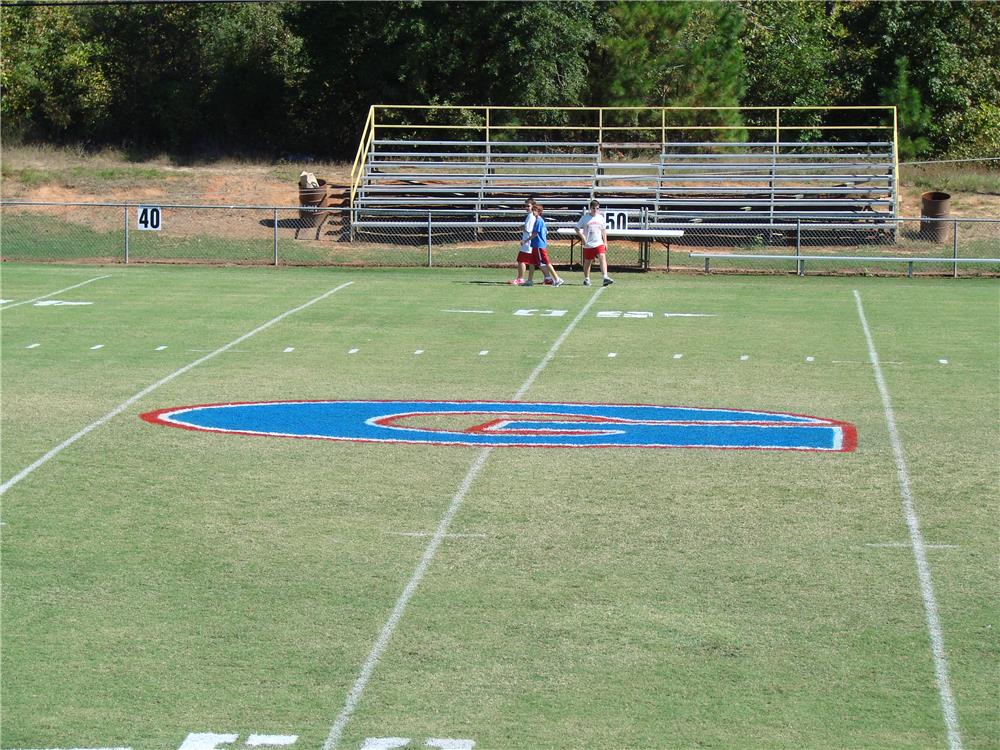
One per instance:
(541,256)
(526,257)
(589,253)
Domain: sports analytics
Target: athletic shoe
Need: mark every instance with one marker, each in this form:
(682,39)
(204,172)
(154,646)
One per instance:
(516,282)
(558,282)
(608,281)
(529,282)
(549,282)
(586,282)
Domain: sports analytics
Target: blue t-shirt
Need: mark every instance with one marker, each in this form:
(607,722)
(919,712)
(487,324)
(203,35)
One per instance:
(540,235)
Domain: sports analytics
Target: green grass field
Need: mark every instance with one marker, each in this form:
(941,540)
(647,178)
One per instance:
(160,584)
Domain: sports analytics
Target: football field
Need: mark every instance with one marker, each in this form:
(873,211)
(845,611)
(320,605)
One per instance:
(424,508)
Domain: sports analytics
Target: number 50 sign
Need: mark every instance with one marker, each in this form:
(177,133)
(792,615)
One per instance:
(148,218)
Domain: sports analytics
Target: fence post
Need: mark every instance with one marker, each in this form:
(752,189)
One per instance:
(798,244)
(430,252)
(954,248)
(275,225)
(126,235)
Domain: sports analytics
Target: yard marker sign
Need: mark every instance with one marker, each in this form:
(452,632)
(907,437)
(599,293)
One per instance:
(516,424)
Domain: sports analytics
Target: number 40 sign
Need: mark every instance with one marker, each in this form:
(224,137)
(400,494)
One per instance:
(148,218)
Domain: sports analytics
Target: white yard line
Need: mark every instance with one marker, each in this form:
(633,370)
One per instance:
(384,636)
(919,548)
(58,291)
(149,389)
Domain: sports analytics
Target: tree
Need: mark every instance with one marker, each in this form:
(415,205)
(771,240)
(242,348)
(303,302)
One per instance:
(53,84)
(671,54)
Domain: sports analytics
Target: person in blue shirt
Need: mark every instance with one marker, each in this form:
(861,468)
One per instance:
(539,243)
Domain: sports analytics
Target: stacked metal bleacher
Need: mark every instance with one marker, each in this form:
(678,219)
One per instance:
(678,179)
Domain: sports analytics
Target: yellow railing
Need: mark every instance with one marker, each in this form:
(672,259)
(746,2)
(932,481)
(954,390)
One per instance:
(367,136)
(600,119)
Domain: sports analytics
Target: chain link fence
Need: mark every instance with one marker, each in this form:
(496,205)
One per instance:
(267,235)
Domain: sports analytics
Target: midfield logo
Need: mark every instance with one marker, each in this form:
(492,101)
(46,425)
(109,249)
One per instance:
(515,424)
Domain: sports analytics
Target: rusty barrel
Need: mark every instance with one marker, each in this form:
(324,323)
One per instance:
(317,197)
(934,205)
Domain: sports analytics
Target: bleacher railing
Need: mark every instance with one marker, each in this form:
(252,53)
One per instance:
(118,233)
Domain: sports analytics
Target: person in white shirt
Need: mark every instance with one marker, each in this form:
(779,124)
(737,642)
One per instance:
(525,255)
(593,233)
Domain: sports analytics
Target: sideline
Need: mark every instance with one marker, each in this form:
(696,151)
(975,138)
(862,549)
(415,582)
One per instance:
(385,635)
(58,291)
(149,389)
(919,548)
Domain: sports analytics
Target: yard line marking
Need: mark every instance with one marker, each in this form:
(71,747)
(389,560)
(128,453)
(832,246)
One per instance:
(855,362)
(160,348)
(58,291)
(907,544)
(943,361)
(289,349)
(353,351)
(484,352)
(473,312)
(150,388)
(919,548)
(382,642)
(32,346)
(271,740)
(96,346)
(744,357)
(430,533)
(810,359)
(611,355)
(688,315)
(419,351)
(678,356)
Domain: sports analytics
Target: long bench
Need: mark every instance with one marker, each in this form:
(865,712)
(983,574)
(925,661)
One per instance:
(645,237)
(800,260)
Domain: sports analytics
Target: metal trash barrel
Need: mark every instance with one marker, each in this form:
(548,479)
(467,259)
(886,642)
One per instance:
(934,205)
(313,197)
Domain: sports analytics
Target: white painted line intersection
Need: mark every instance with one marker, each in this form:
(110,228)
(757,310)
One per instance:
(933,621)
(386,633)
(26,471)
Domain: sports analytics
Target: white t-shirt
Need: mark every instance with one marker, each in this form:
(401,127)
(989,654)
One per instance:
(529,226)
(593,228)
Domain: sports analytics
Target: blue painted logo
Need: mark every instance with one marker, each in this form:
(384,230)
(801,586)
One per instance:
(516,424)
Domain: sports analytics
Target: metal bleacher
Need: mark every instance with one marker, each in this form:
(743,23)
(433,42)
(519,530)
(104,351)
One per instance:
(668,176)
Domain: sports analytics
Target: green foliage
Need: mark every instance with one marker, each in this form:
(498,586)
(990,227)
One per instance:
(787,47)
(914,118)
(951,52)
(285,78)
(53,84)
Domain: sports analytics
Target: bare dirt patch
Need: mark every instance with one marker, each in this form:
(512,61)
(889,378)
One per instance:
(53,176)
